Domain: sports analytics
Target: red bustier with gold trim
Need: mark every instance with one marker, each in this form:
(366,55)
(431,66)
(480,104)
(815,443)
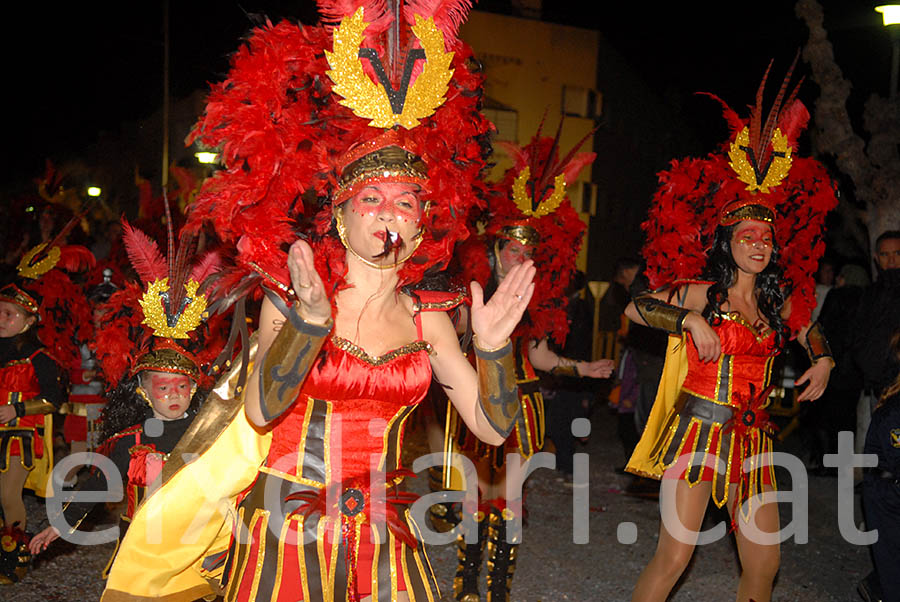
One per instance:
(18,382)
(350,412)
(745,364)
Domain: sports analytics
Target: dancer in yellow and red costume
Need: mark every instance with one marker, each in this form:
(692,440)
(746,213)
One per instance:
(732,241)
(528,218)
(351,151)
(43,316)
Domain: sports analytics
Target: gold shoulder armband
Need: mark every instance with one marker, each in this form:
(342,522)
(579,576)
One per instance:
(287,362)
(660,314)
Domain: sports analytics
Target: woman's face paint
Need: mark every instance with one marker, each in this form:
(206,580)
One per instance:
(382,219)
(751,246)
(170,394)
(513,254)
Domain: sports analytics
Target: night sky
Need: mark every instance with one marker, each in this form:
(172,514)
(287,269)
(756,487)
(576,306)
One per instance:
(79,68)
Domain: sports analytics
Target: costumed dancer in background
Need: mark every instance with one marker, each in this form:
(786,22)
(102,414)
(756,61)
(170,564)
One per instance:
(529,218)
(81,426)
(732,240)
(153,345)
(42,315)
(306,465)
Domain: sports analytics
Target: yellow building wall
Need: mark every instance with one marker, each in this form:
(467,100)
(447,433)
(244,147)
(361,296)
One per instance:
(527,63)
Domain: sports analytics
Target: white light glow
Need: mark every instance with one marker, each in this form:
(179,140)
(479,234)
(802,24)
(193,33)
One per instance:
(94,191)
(205,157)
(890,13)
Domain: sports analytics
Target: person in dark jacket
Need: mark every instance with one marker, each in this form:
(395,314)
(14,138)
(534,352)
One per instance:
(877,317)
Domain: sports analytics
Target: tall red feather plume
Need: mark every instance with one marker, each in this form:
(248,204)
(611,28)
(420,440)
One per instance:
(210,264)
(143,252)
(75,258)
(448,15)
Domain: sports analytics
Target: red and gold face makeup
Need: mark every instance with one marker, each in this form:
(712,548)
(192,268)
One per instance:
(512,254)
(169,394)
(382,223)
(751,245)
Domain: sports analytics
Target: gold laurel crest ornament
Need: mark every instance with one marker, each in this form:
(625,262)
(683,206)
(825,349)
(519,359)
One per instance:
(745,164)
(523,200)
(380,102)
(181,322)
(41,267)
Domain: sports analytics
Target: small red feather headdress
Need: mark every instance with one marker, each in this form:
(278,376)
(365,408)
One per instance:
(297,103)
(44,289)
(164,325)
(530,205)
(755,175)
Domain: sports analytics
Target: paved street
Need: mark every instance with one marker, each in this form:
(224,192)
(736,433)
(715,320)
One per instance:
(551,567)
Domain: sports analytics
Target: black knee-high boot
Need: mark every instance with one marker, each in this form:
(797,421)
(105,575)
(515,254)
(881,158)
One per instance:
(469,555)
(501,554)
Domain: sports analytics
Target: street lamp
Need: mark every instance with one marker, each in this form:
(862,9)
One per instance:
(206,158)
(94,191)
(890,14)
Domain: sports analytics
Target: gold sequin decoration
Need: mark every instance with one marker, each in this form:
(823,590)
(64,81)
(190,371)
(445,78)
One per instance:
(370,100)
(360,353)
(545,207)
(155,314)
(43,266)
(778,168)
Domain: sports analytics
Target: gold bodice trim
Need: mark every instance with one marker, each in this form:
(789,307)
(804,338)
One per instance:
(735,316)
(360,353)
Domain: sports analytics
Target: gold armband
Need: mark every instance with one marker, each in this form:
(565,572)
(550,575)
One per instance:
(660,314)
(817,345)
(34,407)
(565,367)
(287,362)
(498,393)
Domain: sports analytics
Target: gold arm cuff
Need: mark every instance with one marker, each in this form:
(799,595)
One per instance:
(565,367)
(37,405)
(485,349)
(498,393)
(660,314)
(817,345)
(287,363)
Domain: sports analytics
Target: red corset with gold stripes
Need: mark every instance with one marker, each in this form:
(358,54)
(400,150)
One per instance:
(350,413)
(745,363)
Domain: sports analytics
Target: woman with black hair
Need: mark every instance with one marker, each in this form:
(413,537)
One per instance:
(733,239)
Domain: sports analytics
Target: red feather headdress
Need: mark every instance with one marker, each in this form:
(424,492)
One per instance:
(45,289)
(165,326)
(530,205)
(753,176)
(299,99)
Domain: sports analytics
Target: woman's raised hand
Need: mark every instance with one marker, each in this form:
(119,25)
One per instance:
(315,306)
(495,321)
(707,342)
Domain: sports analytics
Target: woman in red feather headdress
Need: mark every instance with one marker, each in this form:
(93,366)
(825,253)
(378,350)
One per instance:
(362,137)
(733,240)
(528,218)
(43,315)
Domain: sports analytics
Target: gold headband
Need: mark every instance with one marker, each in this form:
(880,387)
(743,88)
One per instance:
(167,360)
(526,235)
(757,213)
(391,163)
(13,294)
